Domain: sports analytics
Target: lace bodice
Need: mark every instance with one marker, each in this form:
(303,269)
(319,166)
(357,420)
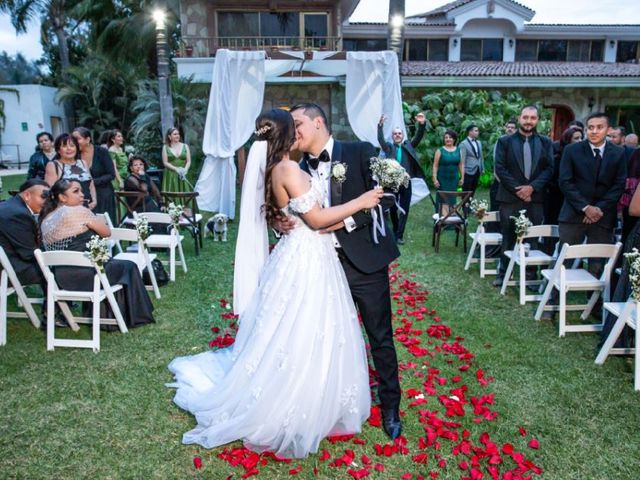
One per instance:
(300,205)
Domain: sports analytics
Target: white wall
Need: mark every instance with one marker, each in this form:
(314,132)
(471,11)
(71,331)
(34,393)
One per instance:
(35,106)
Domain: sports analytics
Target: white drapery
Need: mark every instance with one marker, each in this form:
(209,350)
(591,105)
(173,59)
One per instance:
(373,89)
(237,92)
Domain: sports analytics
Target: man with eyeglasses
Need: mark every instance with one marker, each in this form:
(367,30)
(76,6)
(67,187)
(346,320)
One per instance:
(19,231)
(404,152)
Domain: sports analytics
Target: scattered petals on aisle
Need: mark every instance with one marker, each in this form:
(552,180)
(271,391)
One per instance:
(446,399)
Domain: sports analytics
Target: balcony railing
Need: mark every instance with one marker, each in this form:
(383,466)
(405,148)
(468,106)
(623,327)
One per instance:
(207,46)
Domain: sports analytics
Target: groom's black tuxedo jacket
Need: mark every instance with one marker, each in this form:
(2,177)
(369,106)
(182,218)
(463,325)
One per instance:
(582,184)
(358,245)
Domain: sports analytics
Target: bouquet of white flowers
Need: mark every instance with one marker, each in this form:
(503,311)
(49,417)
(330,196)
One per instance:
(98,251)
(633,257)
(143,228)
(479,208)
(522,224)
(389,174)
(175,212)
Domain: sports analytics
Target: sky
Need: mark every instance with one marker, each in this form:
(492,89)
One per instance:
(547,11)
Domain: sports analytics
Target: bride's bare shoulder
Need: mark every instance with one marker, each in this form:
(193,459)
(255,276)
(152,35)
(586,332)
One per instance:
(286,168)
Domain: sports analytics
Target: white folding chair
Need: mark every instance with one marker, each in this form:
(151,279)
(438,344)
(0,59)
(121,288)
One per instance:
(102,290)
(142,258)
(578,279)
(480,239)
(170,241)
(9,284)
(523,257)
(111,242)
(628,315)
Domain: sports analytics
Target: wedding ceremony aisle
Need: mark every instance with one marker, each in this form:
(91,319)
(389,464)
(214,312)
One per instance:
(487,391)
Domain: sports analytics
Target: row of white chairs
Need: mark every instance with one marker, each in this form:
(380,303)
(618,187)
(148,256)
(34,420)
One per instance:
(563,279)
(102,290)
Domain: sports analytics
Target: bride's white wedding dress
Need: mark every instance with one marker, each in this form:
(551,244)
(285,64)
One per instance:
(297,371)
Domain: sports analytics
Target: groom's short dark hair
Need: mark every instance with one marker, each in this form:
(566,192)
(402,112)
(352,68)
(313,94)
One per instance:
(312,110)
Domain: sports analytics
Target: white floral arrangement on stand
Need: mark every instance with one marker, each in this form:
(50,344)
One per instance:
(143,228)
(98,252)
(479,208)
(175,212)
(633,257)
(389,174)
(522,224)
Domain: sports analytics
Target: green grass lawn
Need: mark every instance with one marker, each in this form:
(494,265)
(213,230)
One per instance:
(75,414)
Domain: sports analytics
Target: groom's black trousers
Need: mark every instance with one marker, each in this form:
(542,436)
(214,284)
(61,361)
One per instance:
(372,296)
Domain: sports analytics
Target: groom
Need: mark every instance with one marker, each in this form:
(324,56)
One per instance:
(365,263)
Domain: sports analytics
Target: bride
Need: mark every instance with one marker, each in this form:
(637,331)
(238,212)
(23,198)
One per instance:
(297,371)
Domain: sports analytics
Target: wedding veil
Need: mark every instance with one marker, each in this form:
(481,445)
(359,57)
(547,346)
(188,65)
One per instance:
(252,245)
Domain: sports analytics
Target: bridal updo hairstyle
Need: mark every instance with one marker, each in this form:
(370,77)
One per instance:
(277,128)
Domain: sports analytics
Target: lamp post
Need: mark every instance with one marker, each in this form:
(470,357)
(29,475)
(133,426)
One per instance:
(166,103)
(395,38)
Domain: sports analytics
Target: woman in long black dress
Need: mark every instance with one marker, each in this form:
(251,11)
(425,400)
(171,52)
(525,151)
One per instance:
(65,224)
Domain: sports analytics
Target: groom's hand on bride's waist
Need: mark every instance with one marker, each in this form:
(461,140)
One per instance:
(283,224)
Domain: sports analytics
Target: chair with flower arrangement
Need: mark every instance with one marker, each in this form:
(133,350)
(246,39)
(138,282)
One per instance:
(191,219)
(628,314)
(9,284)
(141,257)
(566,279)
(480,240)
(523,256)
(167,241)
(451,213)
(102,290)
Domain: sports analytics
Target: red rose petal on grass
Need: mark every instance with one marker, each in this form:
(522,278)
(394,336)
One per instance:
(522,431)
(325,455)
(362,473)
(197,462)
(507,449)
(378,467)
(315,471)
(533,443)
(406,476)
(295,471)
(420,458)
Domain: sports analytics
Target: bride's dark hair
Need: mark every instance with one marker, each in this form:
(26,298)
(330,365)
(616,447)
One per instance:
(277,128)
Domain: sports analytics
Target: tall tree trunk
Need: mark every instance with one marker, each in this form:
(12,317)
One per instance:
(395,36)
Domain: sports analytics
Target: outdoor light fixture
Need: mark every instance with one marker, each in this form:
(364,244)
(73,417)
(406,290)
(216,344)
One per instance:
(159,17)
(511,43)
(397,21)
(164,90)
(455,42)
(591,102)
(612,43)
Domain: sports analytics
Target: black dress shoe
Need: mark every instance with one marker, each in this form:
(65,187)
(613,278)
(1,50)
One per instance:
(498,282)
(391,423)
(400,241)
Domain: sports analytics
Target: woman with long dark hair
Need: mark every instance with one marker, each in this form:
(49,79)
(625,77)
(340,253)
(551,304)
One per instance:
(176,158)
(297,371)
(555,198)
(65,224)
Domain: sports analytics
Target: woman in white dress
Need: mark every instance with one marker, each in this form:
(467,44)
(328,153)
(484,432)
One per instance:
(297,371)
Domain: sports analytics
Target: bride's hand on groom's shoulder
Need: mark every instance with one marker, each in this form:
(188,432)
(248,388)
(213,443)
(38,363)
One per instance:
(283,224)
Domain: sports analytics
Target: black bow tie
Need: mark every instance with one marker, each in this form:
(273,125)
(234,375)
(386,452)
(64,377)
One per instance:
(314,162)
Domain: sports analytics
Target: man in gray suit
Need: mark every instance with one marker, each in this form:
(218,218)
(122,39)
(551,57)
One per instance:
(473,160)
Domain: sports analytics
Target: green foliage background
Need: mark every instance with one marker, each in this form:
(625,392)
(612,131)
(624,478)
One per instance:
(457,109)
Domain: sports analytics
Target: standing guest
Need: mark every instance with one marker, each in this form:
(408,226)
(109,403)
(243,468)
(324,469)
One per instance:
(554,199)
(592,177)
(473,159)
(509,129)
(104,138)
(44,154)
(102,171)
(524,166)
(176,159)
(617,137)
(448,164)
(631,140)
(139,181)
(630,186)
(65,224)
(70,166)
(404,152)
(120,159)
(19,232)
(572,124)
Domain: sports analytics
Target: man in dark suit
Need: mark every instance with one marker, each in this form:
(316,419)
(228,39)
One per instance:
(524,167)
(19,232)
(592,177)
(404,152)
(366,263)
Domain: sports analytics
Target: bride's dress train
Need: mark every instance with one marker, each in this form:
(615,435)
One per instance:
(297,371)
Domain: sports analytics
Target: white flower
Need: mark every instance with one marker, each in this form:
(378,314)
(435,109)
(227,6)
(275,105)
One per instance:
(633,257)
(98,251)
(389,173)
(479,207)
(339,171)
(175,212)
(142,226)
(522,224)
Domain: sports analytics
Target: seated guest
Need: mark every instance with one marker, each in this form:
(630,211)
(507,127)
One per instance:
(43,155)
(65,224)
(139,181)
(19,232)
(630,187)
